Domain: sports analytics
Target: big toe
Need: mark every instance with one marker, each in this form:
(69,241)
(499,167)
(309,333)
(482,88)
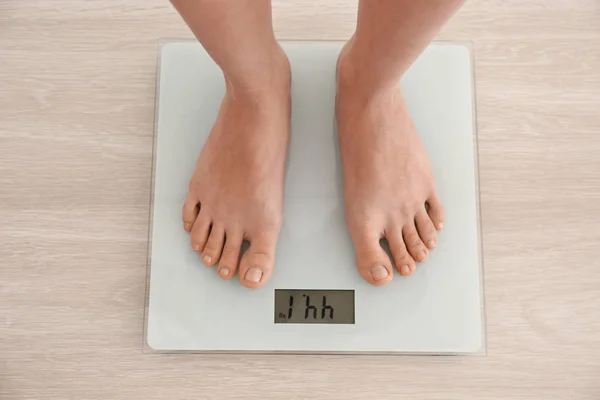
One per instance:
(258,261)
(372,261)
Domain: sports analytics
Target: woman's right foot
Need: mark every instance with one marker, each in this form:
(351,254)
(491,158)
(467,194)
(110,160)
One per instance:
(236,191)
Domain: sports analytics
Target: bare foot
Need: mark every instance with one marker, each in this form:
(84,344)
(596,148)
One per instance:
(387,179)
(236,192)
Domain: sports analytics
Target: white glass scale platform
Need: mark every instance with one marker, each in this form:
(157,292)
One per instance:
(315,301)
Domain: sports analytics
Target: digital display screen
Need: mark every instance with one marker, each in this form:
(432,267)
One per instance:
(294,306)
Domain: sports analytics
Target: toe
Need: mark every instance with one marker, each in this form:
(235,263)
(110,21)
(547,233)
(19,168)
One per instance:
(257,262)
(200,231)
(415,246)
(372,262)
(402,260)
(426,229)
(230,258)
(436,211)
(189,212)
(214,245)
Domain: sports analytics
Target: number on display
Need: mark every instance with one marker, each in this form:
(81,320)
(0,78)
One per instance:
(310,311)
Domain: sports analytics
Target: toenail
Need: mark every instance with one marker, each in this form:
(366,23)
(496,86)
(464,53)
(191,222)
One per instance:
(187,226)
(422,255)
(253,275)
(405,269)
(440,225)
(196,247)
(379,272)
(207,259)
(224,271)
(431,243)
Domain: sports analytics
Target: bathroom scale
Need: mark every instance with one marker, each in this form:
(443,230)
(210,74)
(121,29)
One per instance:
(315,301)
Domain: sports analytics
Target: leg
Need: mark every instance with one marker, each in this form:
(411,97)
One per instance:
(387,177)
(236,191)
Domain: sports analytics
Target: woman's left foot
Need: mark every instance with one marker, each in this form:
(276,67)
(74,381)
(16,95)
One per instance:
(387,179)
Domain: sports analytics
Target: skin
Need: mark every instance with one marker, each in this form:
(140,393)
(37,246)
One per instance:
(387,175)
(236,191)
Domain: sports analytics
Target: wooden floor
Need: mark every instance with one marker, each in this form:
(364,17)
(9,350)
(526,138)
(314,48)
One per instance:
(76,123)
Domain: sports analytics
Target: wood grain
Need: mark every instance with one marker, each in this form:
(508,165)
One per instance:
(76,122)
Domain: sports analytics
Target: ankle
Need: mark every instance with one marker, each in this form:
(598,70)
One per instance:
(355,72)
(272,77)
